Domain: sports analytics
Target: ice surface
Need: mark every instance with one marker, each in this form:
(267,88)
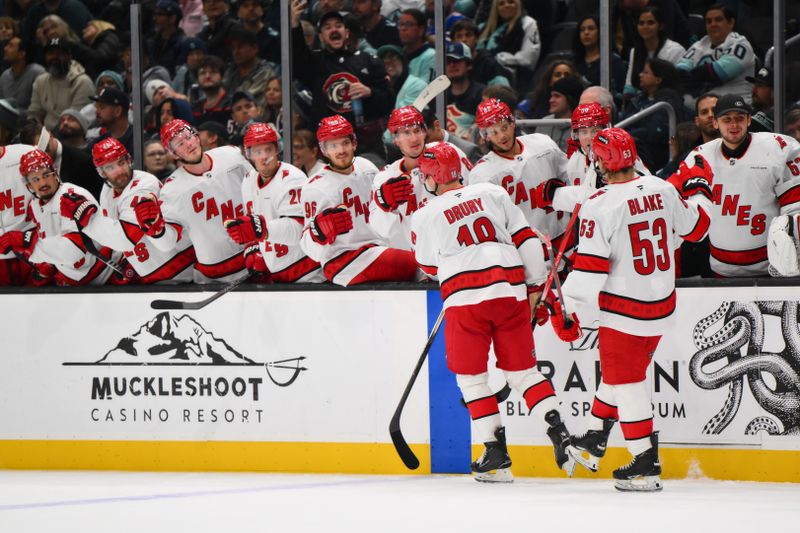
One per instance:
(64,502)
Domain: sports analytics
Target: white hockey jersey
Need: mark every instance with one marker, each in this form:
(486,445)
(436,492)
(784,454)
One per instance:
(198,205)
(748,193)
(732,61)
(61,244)
(625,253)
(14,195)
(355,250)
(280,204)
(116,227)
(479,245)
(394,227)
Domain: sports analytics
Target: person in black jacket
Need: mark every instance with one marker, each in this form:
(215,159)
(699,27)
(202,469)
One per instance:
(99,48)
(337,77)
(217,32)
(164,46)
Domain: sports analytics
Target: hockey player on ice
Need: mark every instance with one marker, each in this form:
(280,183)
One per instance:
(624,264)
(13,269)
(271,229)
(491,269)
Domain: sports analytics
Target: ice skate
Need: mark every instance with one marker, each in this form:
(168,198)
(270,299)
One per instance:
(591,446)
(560,437)
(643,473)
(494,465)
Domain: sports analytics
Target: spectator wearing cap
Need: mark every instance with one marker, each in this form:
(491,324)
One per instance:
(485,67)
(564,97)
(72,128)
(762,121)
(244,111)
(9,120)
(65,85)
(248,72)
(99,48)
(107,78)
(157,160)
(762,93)
(337,76)
(192,53)
(17,80)
(251,15)
(214,103)
(73,12)
(421,57)
(404,85)
(216,34)
(512,37)
(463,95)
(212,135)
(377,30)
(111,107)
(164,46)
(51,27)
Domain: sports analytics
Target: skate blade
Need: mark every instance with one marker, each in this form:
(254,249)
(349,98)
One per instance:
(501,475)
(569,465)
(588,461)
(639,484)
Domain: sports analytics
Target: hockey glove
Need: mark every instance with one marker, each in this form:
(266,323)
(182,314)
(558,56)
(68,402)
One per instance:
(545,192)
(21,242)
(542,312)
(568,330)
(77,207)
(695,180)
(394,192)
(782,246)
(42,274)
(254,261)
(148,215)
(330,223)
(247,229)
(573,145)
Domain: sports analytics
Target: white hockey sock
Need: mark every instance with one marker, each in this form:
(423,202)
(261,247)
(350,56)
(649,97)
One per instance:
(635,415)
(481,403)
(604,406)
(538,392)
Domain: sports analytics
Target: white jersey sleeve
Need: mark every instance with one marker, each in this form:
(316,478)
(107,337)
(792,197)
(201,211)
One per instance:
(14,195)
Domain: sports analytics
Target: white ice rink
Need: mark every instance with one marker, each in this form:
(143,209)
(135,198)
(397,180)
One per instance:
(87,502)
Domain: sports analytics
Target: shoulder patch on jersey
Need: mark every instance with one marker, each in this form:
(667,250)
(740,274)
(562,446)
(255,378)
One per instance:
(781,142)
(598,193)
(285,174)
(315,178)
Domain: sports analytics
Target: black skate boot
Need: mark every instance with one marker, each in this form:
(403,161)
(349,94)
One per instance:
(641,474)
(593,442)
(559,436)
(494,465)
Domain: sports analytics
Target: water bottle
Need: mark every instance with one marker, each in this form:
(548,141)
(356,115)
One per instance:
(358,111)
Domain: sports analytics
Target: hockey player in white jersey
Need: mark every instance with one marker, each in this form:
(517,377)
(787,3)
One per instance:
(14,198)
(756,181)
(398,190)
(57,239)
(271,229)
(625,266)
(115,224)
(491,269)
(337,230)
(203,192)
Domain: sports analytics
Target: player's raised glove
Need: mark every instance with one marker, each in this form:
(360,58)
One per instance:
(148,215)
(21,242)
(330,223)
(694,180)
(246,229)
(545,192)
(568,330)
(254,261)
(77,207)
(394,192)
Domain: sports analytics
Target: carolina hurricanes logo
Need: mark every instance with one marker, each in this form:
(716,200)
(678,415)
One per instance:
(337,88)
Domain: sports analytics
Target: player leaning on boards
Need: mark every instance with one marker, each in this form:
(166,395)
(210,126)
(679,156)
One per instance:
(491,269)
(273,225)
(624,264)
(336,230)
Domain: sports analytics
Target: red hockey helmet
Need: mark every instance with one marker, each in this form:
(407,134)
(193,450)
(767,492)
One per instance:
(260,133)
(172,128)
(404,117)
(589,116)
(334,127)
(107,151)
(33,161)
(441,163)
(615,148)
(492,111)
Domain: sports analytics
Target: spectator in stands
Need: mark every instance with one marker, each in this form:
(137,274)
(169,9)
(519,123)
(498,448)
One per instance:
(53,27)
(586,55)
(421,57)
(214,103)
(512,38)
(721,60)
(377,30)
(650,41)
(485,68)
(65,85)
(272,104)
(172,108)
(251,15)
(17,80)
(762,121)
(563,98)
(248,71)
(704,117)
(687,137)
(507,95)
(216,34)
(762,93)
(8,30)
(626,22)
(463,95)
(212,135)
(355,38)
(537,104)
(244,111)
(164,46)
(192,21)
(156,160)
(791,122)
(9,121)
(98,49)
(192,53)
(602,96)
(403,84)
(111,107)
(73,12)
(72,128)
(107,78)
(436,133)
(305,153)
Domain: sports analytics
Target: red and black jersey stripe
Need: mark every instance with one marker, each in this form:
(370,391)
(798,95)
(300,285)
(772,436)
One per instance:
(637,309)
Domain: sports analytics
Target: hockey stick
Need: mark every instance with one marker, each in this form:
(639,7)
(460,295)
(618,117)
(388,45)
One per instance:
(434,88)
(400,444)
(194,306)
(92,249)
(561,249)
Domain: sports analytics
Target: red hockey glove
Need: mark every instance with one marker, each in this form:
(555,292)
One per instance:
(148,215)
(254,261)
(77,207)
(573,145)
(42,274)
(247,229)
(569,330)
(695,180)
(545,192)
(21,242)
(330,223)
(394,192)
(542,312)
